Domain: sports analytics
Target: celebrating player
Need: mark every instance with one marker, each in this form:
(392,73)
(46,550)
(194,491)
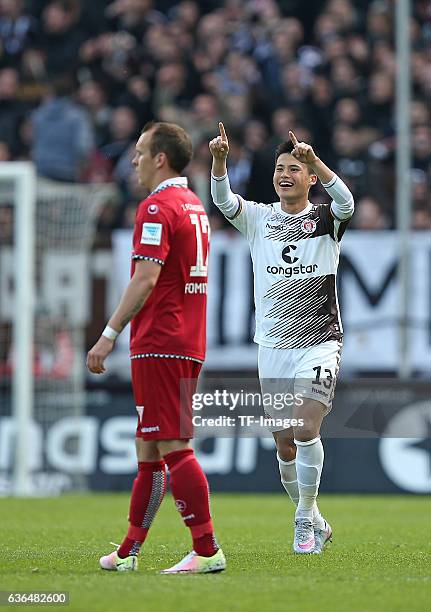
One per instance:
(295,250)
(166,302)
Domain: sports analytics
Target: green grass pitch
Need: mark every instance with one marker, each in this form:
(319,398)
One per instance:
(380,558)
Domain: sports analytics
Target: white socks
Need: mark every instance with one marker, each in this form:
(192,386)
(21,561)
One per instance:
(309,463)
(289,479)
(290,483)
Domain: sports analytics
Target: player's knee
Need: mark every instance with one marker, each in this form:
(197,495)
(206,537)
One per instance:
(286,449)
(147,450)
(306,433)
(169,446)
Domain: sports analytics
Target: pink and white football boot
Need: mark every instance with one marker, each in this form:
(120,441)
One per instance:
(195,564)
(304,540)
(114,563)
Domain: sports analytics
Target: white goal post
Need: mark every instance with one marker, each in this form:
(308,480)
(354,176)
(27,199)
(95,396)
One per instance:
(23,176)
(47,230)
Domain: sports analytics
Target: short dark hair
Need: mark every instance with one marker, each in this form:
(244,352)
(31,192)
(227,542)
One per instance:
(287,147)
(283,147)
(173,141)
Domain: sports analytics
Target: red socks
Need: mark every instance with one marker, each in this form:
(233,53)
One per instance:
(189,487)
(148,491)
(190,490)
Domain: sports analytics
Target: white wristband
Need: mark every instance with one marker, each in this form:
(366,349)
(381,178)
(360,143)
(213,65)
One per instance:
(110,333)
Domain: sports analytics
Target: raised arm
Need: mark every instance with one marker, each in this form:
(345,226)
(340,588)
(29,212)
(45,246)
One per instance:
(342,205)
(219,148)
(222,195)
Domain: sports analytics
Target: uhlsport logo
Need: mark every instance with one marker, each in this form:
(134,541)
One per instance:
(308,226)
(285,254)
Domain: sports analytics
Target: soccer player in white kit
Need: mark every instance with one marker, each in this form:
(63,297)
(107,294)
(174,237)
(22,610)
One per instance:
(295,249)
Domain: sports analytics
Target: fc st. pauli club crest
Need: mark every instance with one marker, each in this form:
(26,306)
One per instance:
(308,226)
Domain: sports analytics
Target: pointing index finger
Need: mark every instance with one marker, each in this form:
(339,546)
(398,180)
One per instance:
(222,131)
(293,138)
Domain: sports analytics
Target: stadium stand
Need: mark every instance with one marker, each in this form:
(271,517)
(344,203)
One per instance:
(102,69)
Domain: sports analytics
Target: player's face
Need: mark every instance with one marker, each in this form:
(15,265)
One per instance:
(291,178)
(144,164)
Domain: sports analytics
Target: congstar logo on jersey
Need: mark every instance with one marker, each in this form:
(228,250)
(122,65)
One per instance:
(285,254)
(292,271)
(289,257)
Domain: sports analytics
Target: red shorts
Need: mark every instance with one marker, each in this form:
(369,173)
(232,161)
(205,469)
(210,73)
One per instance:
(163,389)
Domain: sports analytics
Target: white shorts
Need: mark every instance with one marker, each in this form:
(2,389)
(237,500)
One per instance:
(302,373)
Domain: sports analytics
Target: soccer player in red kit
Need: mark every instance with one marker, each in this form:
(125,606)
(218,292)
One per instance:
(165,301)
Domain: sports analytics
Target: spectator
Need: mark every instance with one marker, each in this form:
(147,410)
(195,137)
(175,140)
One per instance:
(344,13)
(262,163)
(369,215)
(138,96)
(421,143)
(236,109)
(92,96)
(17,30)
(5,152)
(133,16)
(347,112)
(345,78)
(123,132)
(351,162)
(325,69)
(204,115)
(170,86)
(61,36)
(420,189)
(319,113)
(380,101)
(197,171)
(186,14)
(255,136)
(421,219)
(294,84)
(12,110)
(63,136)
(239,162)
(419,113)
(379,22)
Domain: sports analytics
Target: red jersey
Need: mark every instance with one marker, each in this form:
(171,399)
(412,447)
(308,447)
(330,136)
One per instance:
(172,229)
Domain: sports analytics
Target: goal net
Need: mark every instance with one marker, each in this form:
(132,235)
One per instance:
(45,299)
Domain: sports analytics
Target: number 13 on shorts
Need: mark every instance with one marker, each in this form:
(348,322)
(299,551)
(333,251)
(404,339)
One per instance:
(327,380)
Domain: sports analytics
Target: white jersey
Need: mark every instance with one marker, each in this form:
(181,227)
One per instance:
(295,260)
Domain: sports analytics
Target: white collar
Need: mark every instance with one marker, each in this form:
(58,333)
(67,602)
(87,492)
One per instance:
(305,211)
(176,181)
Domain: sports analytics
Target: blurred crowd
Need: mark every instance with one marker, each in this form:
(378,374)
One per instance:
(79,79)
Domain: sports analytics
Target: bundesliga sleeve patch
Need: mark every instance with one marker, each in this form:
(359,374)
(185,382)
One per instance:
(151,233)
